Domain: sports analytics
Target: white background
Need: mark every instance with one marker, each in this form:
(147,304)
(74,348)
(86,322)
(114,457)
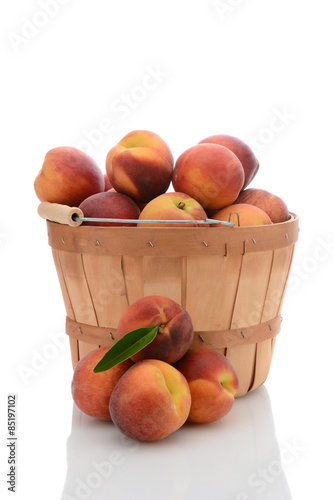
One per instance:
(228,67)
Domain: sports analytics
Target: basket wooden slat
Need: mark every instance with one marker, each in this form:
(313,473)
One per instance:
(249,302)
(202,292)
(279,272)
(74,344)
(107,288)
(132,269)
(232,283)
(80,297)
(163,276)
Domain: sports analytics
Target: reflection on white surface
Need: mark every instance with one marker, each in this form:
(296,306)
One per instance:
(236,458)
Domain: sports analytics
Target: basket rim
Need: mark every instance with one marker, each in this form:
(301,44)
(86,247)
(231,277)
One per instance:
(173,241)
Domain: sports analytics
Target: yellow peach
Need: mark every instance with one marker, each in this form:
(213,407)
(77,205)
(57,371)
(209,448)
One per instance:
(242,214)
(212,381)
(68,176)
(209,173)
(150,401)
(140,166)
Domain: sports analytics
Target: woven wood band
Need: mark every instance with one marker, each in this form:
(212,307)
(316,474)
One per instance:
(238,336)
(154,241)
(212,340)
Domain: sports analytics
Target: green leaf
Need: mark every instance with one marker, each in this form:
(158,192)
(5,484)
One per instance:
(127,346)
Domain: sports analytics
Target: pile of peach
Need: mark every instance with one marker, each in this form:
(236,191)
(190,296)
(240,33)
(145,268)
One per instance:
(152,393)
(209,179)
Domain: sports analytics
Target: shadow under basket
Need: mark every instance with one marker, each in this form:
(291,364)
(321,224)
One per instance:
(231,280)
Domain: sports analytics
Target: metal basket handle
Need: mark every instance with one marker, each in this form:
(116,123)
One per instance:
(73,216)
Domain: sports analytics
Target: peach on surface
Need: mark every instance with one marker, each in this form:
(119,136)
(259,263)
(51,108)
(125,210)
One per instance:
(68,176)
(273,205)
(140,166)
(175,332)
(209,173)
(212,381)
(150,401)
(173,206)
(242,214)
(243,152)
(109,205)
(91,391)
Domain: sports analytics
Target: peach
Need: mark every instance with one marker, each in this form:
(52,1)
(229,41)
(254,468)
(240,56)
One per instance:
(173,206)
(248,215)
(141,206)
(209,173)
(68,176)
(140,166)
(273,205)
(212,381)
(91,391)
(107,183)
(175,332)
(243,152)
(110,205)
(150,401)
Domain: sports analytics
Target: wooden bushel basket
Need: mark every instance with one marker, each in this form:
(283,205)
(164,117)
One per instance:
(231,280)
